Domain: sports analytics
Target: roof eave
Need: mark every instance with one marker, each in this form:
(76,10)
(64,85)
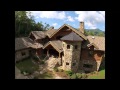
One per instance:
(71,29)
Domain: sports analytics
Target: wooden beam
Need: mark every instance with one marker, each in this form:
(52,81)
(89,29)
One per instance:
(47,52)
(59,55)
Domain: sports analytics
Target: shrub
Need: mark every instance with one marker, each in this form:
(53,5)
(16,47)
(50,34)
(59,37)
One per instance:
(27,72)
(36,77)
(43,57)
(73,76)
(35,58)
(56,69)
(93,72)
(79,76)
(84,76)
(69,73)
(22,72)
(42,62)
(60,70)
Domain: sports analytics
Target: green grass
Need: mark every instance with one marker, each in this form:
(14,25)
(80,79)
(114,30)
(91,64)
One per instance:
(27,65)
(100,75)
(46,75)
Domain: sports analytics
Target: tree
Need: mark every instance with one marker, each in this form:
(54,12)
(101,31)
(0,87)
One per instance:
(25,23)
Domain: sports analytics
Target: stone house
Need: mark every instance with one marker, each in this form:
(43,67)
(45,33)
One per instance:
(23,48)
(74,50)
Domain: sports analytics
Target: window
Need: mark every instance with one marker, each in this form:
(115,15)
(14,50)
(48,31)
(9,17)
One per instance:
(23,53)
(68,46)
(74,64)
(67,63)
(76,46)
(87,66)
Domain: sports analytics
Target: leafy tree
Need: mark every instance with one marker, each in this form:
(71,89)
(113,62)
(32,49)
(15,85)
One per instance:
(25,23)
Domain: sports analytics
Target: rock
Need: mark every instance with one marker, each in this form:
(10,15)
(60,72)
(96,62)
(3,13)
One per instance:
(35,73)
(41,72)
(52,62)
(24,73)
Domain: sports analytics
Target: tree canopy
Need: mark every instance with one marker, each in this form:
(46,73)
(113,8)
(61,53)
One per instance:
(96,32)
(25,23)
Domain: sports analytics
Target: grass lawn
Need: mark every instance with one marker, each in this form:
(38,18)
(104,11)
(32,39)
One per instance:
(100,75)
(46,75)
(27,65)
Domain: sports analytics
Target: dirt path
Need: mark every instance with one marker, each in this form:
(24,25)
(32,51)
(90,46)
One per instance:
(57,76)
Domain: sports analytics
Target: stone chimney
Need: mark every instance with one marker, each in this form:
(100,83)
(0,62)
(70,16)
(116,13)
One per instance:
(82,27)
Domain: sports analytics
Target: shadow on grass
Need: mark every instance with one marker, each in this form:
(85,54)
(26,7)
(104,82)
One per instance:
(102,66)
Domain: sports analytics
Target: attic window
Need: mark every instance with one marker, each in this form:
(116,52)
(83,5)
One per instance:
(68,46)
(76,46)
(23,53)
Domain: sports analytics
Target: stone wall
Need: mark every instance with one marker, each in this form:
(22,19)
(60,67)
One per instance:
(18,54)
(88,62)
(71,56)
(75,60)
(94,59)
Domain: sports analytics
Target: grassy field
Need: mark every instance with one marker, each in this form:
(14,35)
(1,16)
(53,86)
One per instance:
(100,75)
(27,66)
(46,75)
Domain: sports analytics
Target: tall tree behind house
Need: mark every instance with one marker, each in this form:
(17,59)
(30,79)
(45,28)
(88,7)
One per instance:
(24,24)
